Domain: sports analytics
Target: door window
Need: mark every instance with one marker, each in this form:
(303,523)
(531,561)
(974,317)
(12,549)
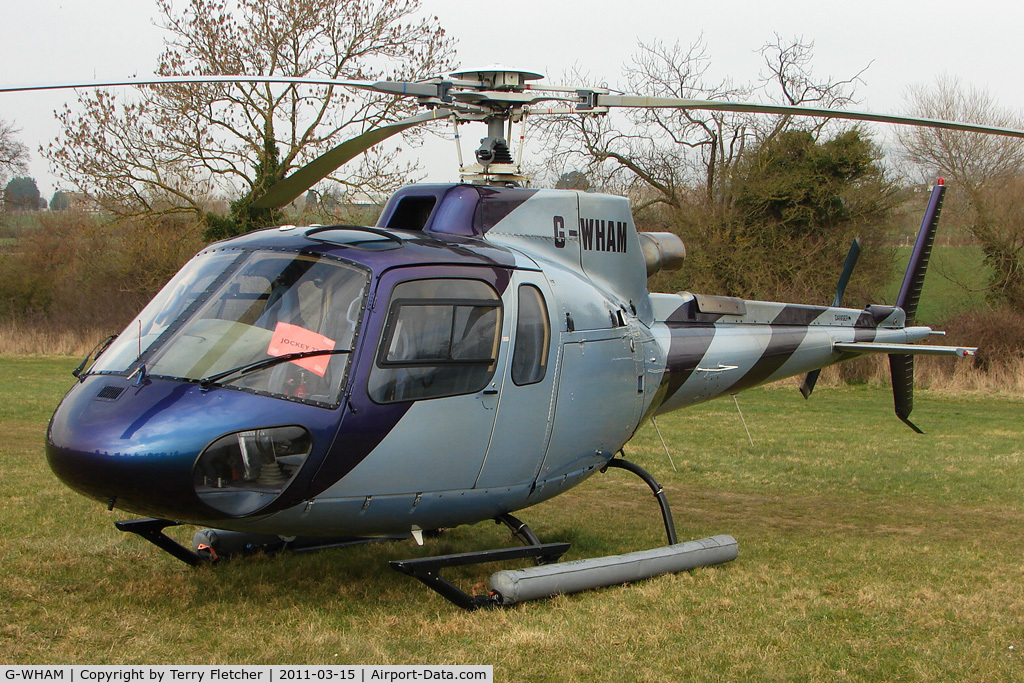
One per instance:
(440,339)
(533,337)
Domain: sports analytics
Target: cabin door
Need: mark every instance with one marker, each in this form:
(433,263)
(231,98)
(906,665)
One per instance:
(523,423)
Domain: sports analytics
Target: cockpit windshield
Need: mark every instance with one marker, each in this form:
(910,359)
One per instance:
(229,309)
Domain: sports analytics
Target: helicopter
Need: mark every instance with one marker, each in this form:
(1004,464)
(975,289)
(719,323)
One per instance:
(485,347)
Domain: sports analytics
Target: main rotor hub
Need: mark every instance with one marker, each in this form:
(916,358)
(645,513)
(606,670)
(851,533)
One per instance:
(499,77)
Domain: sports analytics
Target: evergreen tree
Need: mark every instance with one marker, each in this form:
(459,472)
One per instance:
(60,201)
(798,204)
(21,194)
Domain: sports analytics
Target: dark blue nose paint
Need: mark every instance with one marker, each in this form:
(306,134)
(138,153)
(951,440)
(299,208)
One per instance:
(138,445)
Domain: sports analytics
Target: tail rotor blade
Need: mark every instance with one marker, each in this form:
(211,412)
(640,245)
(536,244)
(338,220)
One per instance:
(309,175)
(809,381)
(844,278)
(848,266)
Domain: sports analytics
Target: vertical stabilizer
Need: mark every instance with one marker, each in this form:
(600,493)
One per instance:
(901,366)
(913,279)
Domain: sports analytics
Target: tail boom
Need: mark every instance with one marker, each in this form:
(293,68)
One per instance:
(708,355)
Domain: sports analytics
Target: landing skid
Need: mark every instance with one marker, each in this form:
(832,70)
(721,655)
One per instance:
(427,570)
(659,492)
(153,531)
(518,529)
(506,587)
(512,586)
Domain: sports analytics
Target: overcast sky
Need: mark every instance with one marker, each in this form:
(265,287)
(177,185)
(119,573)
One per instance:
(905,42)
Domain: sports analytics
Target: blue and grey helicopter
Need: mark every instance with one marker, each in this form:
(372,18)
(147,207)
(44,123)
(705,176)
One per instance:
(484,347)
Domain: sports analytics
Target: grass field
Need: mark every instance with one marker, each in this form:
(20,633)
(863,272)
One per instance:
(866,553)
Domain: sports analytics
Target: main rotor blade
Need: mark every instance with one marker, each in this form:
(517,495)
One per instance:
(309,175)
(637,101)
(411,89)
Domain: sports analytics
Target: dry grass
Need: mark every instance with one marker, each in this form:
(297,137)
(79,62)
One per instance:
(940,374)
(22,339)
(73,273)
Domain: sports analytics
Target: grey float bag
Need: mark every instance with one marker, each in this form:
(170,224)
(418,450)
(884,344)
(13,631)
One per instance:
(533,583)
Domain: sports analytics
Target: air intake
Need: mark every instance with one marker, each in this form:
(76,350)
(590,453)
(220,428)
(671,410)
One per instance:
(110,393)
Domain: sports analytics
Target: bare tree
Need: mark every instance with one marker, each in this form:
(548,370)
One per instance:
(677,157)
(177,146)
(13,154)
(987,174)
(658,156)
(787,78)
(712,177)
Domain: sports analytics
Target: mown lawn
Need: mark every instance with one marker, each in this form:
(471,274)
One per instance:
(866,553)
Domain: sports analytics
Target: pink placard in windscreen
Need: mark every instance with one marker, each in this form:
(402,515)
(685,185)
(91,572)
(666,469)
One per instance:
(294,339)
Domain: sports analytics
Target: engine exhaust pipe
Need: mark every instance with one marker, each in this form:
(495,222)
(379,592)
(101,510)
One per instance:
(534,583)
(662,251)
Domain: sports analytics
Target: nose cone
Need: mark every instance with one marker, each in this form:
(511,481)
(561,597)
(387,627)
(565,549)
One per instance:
(138,445)
(132,445)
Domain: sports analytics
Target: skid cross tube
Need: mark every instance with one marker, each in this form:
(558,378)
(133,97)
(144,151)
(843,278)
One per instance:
(153,531)
(659,493)
(518,529)
(427,570)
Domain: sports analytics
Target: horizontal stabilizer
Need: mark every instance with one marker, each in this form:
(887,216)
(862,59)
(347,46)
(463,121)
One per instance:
(911,349)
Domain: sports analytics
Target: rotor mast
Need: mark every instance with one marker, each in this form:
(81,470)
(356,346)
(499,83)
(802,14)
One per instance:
(495,164)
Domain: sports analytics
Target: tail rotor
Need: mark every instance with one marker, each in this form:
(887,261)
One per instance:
(844,278)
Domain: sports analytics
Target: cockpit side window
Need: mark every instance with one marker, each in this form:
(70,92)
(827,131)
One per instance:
(533,337)
(441,339)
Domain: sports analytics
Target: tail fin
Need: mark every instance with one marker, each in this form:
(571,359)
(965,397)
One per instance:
(901,366)
(913,280)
